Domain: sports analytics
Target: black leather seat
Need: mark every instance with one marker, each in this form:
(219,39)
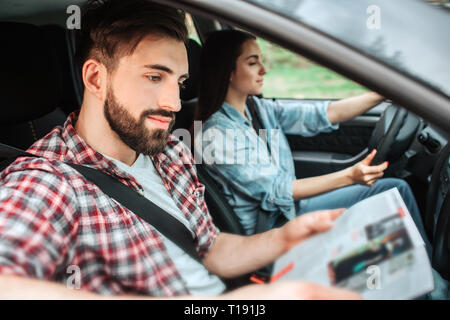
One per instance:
(222,213)
(441,245)
(188,96)
(33,86)
(441,235)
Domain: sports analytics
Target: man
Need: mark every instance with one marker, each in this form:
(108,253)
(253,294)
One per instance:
(53,221)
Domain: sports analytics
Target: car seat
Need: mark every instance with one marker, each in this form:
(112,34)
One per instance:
(188,95)
(222,213)
(36,91)
(441,235)
(35,84)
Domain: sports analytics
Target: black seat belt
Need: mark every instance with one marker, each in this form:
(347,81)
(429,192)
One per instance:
(256,120)
(262,220)
(262,224)
(162,221)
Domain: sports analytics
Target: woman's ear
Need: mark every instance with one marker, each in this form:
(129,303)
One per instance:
(231,76)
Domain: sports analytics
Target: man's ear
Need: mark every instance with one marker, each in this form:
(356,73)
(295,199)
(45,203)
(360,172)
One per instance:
(94,78)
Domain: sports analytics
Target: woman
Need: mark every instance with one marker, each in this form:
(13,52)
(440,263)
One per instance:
(257,174)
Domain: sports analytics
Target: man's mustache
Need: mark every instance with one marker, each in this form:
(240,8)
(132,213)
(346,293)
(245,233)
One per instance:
(163,113)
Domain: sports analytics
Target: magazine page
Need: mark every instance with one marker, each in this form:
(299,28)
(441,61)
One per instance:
(374,248)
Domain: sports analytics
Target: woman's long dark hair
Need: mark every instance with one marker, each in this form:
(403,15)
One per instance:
(218,61)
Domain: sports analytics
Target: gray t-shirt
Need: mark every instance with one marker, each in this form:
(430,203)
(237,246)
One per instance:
(198,279)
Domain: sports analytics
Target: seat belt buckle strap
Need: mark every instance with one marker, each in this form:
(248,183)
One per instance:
(258,278)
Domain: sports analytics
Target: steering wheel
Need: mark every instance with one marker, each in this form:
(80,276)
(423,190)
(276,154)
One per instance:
(393,134)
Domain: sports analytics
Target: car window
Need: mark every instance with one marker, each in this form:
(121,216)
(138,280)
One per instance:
(193,34)
(441,3)
(290,75)
(384,30)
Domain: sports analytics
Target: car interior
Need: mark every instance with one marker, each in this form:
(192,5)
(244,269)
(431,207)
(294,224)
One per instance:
(40,87)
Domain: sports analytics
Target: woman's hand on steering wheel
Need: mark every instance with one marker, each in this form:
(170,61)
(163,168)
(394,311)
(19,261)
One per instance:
(365,174)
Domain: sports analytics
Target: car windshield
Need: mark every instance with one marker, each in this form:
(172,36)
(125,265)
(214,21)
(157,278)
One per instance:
(409,35)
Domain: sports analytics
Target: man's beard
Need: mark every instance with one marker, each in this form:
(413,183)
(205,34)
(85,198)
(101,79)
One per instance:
(134,133)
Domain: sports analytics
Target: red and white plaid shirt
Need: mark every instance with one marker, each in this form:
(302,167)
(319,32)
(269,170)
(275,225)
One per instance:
(54,222)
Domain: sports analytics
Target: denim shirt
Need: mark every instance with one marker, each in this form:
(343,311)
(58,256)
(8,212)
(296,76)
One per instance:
(253,175)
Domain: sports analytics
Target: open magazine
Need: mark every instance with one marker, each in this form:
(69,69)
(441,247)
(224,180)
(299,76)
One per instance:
(374,248)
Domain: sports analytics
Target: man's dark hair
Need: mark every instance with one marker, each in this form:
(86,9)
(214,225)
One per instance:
(111,29)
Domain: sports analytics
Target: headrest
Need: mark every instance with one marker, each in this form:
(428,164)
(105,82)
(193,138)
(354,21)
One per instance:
(30,80)
(194,51)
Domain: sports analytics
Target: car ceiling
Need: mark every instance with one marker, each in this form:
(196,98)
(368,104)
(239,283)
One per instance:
(32,11)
